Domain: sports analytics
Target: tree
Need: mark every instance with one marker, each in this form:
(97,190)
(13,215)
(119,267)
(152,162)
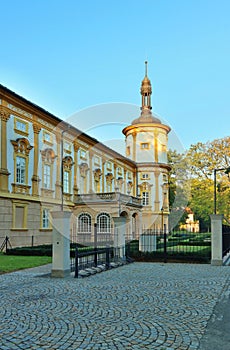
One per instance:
(191,181)
(203,159)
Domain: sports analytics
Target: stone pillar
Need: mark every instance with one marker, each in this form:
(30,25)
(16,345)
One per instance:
(61,243)
(148,243)
(119,235)
(35,177)
(4,173)
(217,244)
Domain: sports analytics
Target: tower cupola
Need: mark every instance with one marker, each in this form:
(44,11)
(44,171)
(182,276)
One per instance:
(146,90)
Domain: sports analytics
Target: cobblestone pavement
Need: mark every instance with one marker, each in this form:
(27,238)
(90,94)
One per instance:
(137,306)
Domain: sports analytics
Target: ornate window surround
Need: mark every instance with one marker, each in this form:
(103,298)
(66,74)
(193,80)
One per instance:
(48,157)
(22,149)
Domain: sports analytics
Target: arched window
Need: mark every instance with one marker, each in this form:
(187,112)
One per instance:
(103,223)
(84,223)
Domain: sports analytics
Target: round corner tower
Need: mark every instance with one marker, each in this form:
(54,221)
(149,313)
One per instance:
(146,144)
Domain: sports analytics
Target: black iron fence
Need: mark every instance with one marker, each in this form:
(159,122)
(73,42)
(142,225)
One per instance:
(226,239)
(95,250)
(85,262)
(25,241)
(175,246)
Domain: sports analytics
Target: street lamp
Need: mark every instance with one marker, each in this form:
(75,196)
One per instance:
(62,168)
(227,171)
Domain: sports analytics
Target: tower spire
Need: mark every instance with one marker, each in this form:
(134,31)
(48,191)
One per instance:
(146,68)
(146,91)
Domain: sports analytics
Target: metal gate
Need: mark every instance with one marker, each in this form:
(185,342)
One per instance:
(226,239)
(175,246)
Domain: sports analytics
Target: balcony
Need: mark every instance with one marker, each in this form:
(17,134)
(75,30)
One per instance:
(108,197)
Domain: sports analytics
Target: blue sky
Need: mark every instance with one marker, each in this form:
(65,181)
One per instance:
(69,55)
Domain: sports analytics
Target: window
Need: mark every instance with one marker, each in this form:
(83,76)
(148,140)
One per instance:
(119,171)
(145,198)
(145,145)
(67,173)
(103,223)
(83,154)
(128,151)
(47,137)
(48,158)
(47,176)
(20,170)
(45,218)
(84,223)
(21,126)
(66,182)
(67,147)
(145,176)
(96,160)
(22,150)
(129,175)
(109,166)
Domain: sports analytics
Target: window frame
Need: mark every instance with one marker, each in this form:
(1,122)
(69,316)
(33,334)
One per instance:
(81,225)
(22,122)
(145,198)
(19,170)
(142,146)
(104,223)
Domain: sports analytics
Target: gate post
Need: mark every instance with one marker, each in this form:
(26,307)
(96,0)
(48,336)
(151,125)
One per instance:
(61,243)
(217,243)
(119,231)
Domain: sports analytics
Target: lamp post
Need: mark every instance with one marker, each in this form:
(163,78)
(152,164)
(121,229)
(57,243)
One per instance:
(226,171)
(164,234)
(62,168)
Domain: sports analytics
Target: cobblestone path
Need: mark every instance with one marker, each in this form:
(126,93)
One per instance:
(137,306)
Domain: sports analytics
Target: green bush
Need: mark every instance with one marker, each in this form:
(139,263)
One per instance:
(43,250)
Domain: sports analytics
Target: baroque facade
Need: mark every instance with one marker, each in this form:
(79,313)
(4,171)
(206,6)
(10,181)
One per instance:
(48,165)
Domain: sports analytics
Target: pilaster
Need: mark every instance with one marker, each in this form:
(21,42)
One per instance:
(4,173)
(76,148)
(35,177)
(157,200)
(58,185)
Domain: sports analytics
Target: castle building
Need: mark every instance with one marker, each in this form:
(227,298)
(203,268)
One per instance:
(47,165)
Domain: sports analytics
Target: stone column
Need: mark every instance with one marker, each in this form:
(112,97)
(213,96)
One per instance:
(4,173)
(119,232)
(217,244)
(35,177)
(61,243)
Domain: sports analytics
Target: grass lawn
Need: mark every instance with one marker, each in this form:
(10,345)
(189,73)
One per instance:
(9,263)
